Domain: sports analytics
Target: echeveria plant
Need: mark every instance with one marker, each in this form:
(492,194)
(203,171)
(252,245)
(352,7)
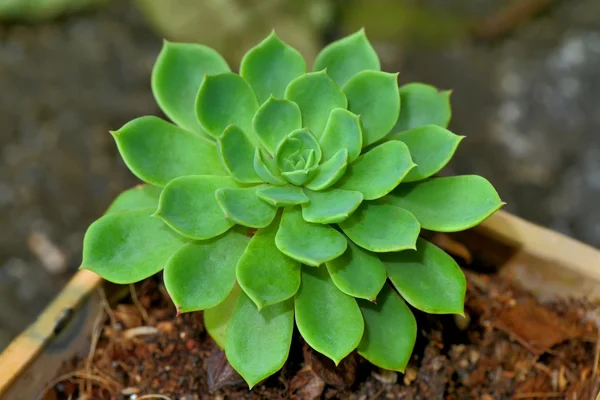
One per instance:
(281,195)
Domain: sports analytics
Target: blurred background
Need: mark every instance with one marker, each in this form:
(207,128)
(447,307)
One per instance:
(525,75)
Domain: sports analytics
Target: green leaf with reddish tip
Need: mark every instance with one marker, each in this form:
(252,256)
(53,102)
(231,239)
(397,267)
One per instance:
(140,196)
(378,171)
(266,168)
(242,206)
(390,331)
(237,155)
(189,206)
(328,319)
(330,206)
(281,196)
(348,56)
(177,76)
(428,279)
(448,204)
(225,99)
(343,130)
(382,228)
(423,105)
(431,148)
(274,120)
(270,66)
(200,275)
(373,95)
(157,151)
(258,342)
(316,95)
(331,171)
(217,317)
(128,246)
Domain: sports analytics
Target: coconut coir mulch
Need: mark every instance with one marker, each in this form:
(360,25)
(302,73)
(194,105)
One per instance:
(509,346)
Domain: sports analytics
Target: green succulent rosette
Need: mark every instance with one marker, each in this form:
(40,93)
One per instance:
(281,195)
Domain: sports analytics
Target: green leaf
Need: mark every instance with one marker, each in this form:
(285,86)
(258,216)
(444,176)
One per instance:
(177,76)
(346,57)
(378,171)
(223,100)
(281,196)
(237,155)
(390,331)
(431,148)
(448,204)
(428,279)
(328,319)
(189,206)
(217,317)
(128,246)
(270,66)
(266,168)
(242,206)
(157,151)
(382,228)
(358,273)
(258,342)
(374,96)
(140,196)
(274,120)
(423,105)
(267,275)
(200,275)
(316,95)
(343,131)
(330,206)
(331,171)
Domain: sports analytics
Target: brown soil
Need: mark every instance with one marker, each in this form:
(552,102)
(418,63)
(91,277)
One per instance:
(509,346)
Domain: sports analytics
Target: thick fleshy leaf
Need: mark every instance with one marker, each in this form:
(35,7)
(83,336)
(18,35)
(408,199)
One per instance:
(237,155)
(128,246)
(346,57)
(390,331)
(374,96)
(331,171)
(266,168)
(281,196)
(330,206)
(431,148)
(378,171)
(217,317)
(448,204)
(242,206)
(258,342)
(140,196)
(200,275)
(382,228)
(274,120)
(157,151)
(309,243)
(328,319)
(189,206)
(316,95)
(428,279)
(267,275)
(358,273)
(223,100)
(177,76)
(342,131)
(270,66)
(423,105)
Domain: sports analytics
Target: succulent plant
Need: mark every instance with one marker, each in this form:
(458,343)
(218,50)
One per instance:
(281,195)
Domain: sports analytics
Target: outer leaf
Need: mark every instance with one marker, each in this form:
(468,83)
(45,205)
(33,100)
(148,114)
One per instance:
(379,171)
(201,274)
(266,168)
(217,317)
(330,206)
(358,273)
(329,320)
(448,204)
(430,146)
(382,228)
(346,57)
(237,155)
(316,95)
(374,96)
(140,196)
(223,100)
(189,206)
(128,246)
(328,173)
(267,275)
(423,105)
(258,342)
(311,244)
(242,206)
(343,130)
(390,331)
(174,151)
(274,120)
(428,279)
(281,196)
(270,66)
(177,76)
